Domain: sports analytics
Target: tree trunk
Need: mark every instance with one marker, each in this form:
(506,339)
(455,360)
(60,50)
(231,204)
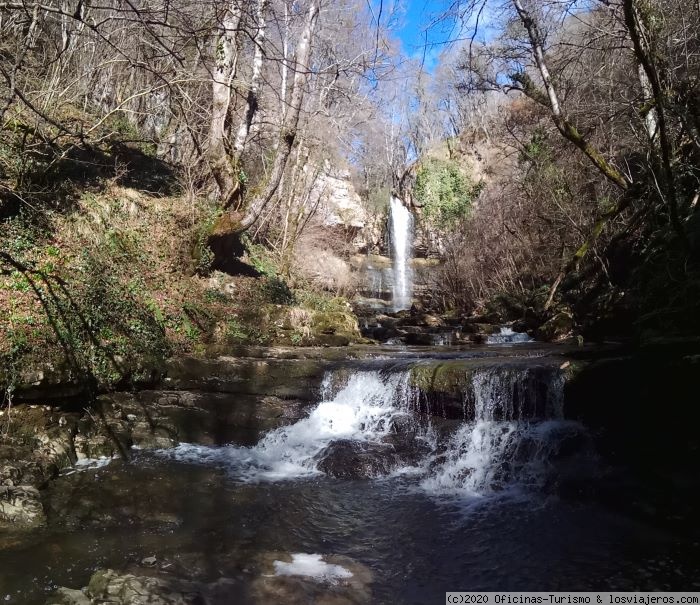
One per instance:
(290,124)
(640,34)
(226,57)
(252,96)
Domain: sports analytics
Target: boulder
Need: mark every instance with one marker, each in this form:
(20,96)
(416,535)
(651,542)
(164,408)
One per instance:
(338,580)
(347,459)
(557,327)
(21,506)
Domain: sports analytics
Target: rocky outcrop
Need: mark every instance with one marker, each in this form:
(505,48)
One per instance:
(341,205)
(20,506)
(110,587)
(246,399)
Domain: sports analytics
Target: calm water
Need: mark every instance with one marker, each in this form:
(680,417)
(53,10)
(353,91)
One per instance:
(202,524)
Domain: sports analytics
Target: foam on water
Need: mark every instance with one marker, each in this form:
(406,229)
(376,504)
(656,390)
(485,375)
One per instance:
(312,566)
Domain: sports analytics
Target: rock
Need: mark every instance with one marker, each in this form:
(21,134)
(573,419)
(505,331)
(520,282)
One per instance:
(21,506)
(149,561)
(276,582)
(93,446)
(419,339)
(556,328)
(432,321)
(67,596)
(145,435)
(110,587)
(346,459)
(107,587)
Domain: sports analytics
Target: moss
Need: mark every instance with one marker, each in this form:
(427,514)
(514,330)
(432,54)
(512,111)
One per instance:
(557,327)
(335,322)
(451,377)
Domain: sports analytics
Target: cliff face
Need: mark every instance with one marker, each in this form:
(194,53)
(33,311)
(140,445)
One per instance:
(341,209)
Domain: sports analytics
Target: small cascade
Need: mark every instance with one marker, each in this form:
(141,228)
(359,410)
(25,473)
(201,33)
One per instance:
(518,440)
(507,336)
(361,407)
(401,233)
(370,423)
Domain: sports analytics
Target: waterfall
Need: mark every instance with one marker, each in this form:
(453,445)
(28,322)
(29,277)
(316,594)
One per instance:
(518,440)
(358,408)
(370,423)
(401,233)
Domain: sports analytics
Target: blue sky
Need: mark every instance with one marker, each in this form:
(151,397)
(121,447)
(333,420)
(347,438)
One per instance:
(416,24)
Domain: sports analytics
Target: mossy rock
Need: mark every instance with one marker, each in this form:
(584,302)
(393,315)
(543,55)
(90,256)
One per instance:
(557,327)
(450,377)
(335,322)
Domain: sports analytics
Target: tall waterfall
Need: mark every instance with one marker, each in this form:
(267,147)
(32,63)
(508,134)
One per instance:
(401,233)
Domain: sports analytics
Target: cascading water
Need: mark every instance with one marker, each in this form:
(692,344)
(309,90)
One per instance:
(361,409)
(512,438)
(401,233)
(517,435)
(506,335)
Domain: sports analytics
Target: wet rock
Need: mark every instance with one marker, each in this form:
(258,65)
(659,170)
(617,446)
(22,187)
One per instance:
(346,459)
(165,418)
(93,447)
(129,589)
(21,506)
(107,587)
(68,596)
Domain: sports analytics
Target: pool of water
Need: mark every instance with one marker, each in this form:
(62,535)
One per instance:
(200,523)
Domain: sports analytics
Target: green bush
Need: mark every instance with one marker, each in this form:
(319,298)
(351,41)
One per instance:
(445,192)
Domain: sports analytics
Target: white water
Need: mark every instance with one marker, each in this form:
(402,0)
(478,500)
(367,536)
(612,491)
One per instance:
(510,445)
(312,566)
(517,431)
(507,336)
(362,410)
(401,232)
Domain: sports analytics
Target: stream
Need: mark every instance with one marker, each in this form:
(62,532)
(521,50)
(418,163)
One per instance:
(485,485)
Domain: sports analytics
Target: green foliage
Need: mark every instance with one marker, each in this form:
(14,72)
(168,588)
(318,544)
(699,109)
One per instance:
(202,254)
(537,149)
(236,332)
(260,258)
(445,192)
(313,301)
